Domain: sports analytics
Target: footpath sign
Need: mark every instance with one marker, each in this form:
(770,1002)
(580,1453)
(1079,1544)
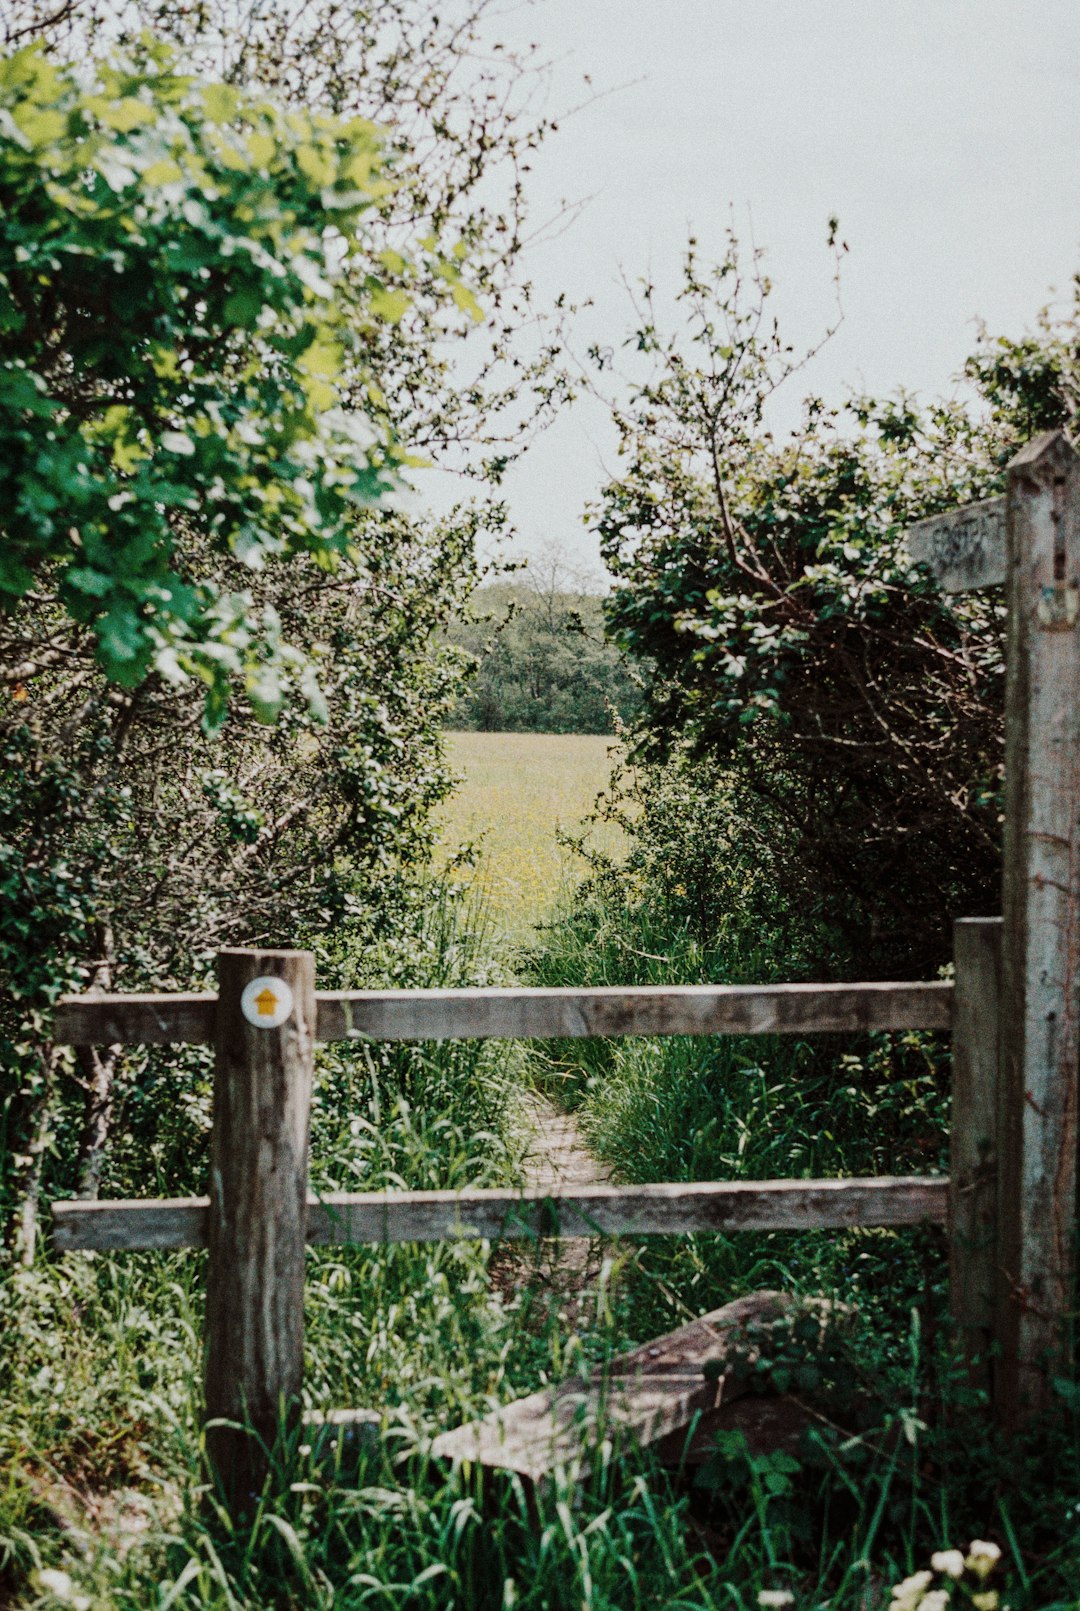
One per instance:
(1030,541)
(964,548)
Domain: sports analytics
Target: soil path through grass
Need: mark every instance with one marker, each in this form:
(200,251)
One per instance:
(558,1159)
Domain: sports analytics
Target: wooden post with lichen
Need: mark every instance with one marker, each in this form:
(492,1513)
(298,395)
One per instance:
(1040,1002)
(973,1149)
(264,1045)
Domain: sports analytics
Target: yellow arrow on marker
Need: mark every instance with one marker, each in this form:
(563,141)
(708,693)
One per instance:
(266,1002)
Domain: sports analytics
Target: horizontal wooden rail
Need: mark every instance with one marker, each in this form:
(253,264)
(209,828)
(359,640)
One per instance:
(432,1216)
(784,1009)
(136,1020)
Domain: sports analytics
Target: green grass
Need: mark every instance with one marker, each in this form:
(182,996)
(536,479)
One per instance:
(102,1502)
(518,791)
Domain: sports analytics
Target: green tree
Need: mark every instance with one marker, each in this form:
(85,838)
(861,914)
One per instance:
(174,319)
(543,662)
(787,634)
(133,841)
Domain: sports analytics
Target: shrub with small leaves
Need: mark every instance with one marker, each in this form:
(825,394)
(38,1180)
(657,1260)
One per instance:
(764,586)
(179,304)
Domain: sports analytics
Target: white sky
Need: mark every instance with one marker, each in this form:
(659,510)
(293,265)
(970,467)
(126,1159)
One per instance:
(945,134)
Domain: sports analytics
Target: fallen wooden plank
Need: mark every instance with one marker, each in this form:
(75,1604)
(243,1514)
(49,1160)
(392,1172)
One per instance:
(784,1009)
(767,1422)
(662,1209)
(646,1395)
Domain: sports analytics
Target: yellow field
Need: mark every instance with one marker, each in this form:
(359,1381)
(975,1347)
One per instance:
(518,789)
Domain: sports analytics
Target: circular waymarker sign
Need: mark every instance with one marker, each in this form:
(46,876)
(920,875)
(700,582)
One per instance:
(266,1002)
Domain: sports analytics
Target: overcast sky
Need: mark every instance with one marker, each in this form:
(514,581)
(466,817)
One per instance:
(945,134)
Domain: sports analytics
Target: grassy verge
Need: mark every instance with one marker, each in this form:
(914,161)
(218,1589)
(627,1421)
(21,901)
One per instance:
(101,1500)
(518,790)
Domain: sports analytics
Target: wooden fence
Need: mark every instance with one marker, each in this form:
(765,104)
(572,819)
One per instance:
(1009,1202)
(259,1215)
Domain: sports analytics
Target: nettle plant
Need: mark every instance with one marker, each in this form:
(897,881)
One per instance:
(180,303)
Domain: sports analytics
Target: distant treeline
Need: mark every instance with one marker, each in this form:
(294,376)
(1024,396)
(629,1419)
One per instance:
(544,663)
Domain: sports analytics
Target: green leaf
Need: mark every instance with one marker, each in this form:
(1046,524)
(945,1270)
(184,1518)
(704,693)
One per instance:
(221,101)
(96,584)
(389,305)
(467,302)
(243,306)
(265,692)
(177,442)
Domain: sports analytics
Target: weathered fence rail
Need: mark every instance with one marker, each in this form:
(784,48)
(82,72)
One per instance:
(523,1014)
(490,1214)
(259,1217)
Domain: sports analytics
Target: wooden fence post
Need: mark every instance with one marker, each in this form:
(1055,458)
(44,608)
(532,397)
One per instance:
(973,1159)
(1041,937)
(264,1046)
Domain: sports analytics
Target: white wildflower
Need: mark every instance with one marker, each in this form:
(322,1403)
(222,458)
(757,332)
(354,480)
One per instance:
(936,1600)
(908,1595)
(776,1597)
(58,1583)
(986,1601)
(982,1557)
(949,1561)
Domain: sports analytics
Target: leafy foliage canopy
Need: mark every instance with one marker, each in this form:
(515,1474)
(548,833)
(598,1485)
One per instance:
(178,303)
(765,585)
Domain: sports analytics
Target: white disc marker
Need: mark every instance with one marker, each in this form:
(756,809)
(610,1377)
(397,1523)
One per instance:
(266,1002)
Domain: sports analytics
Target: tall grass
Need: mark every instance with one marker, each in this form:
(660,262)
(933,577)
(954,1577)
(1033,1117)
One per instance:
(102,1501)
(742,1108)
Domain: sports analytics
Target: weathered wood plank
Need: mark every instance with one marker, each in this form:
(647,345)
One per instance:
(1040,1011)
(645,1394)
(121,1225)
(963,548)
(256,1222)
(786,1009)
(642,1010)
(661,1209)
(136,1020)
(973,1136)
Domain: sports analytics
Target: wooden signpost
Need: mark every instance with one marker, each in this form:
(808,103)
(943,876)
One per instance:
(1030,540)
(965,548)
